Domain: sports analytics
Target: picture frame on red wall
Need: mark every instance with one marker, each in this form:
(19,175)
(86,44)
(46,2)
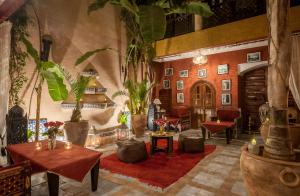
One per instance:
(202,73)
(166,84)
(226,99)
(179,85)
(184,73)
(253,57)
(168,71)
(223,69)
(180,98)
(226,85)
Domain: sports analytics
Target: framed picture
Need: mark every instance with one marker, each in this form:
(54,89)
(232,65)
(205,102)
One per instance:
(184,73)
(166,84)
(226,85)
(226,99)
(202,73)
(168,71)
(223,69)
(180,98)
(253,57)
(179,85)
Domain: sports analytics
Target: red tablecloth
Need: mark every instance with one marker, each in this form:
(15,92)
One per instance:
(214,126)
(73,163)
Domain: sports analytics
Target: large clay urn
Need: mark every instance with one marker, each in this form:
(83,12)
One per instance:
(77,132)
(265,177)
(139,123)
(293,128)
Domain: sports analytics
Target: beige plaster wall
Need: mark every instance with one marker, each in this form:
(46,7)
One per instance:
(74,32)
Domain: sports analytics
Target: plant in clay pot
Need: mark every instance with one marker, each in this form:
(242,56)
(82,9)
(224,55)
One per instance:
(52,132)
(137,93)
(77,129)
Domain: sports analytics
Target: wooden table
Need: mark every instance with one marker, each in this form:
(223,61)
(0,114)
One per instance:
(214,127)
(72,163)
(155,137)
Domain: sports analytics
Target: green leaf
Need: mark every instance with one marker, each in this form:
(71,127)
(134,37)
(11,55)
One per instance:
(79,86)
(97,4)
(56,87)
(52,67)
(31,51)
(152,23)
(91,53)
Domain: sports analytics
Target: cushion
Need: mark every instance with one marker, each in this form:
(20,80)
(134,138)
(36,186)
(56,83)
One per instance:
(228,115)
(180,111)
(193,144)
(131,151)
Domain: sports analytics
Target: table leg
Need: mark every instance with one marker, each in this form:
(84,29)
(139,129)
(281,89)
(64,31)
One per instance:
(170,145)
(203,132)
(152,146)
(53,184)
(228,135)
(94,176)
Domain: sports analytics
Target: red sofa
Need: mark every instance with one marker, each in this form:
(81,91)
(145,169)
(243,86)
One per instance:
(183,114)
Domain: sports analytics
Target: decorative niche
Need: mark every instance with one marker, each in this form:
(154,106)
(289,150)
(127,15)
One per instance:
(95,94)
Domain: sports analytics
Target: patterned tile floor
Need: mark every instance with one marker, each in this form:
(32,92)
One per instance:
(218,174)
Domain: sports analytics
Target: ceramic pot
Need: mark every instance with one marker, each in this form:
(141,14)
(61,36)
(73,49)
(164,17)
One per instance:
(76,132)
(294,132)
(265,177)
(139,123)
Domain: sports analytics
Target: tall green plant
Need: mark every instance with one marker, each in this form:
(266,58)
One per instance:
(50,72)
(146,23)
(137,93)
(78,87)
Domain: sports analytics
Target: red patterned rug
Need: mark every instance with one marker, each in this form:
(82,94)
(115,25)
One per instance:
(158,170)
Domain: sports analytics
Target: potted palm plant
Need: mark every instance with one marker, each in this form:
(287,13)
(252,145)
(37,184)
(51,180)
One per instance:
(137,93)
(77,129)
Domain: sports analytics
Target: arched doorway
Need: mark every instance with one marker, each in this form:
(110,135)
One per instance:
(203,102)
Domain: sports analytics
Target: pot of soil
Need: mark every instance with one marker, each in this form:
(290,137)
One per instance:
(264,176)
(139,123)
(293,128)
(77,132)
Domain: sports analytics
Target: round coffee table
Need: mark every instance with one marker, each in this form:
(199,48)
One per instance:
(154,137)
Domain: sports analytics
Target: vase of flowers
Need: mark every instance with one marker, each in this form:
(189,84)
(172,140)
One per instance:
(53,130)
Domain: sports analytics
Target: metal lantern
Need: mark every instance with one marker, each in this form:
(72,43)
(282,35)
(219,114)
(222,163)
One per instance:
(123,132)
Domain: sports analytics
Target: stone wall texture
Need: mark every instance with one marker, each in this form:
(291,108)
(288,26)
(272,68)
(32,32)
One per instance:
(4,71)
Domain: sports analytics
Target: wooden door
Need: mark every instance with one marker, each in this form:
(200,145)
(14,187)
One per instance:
(165,97)
(202,99)
(254,94)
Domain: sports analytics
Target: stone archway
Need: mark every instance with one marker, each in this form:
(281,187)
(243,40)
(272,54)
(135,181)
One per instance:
(203,102)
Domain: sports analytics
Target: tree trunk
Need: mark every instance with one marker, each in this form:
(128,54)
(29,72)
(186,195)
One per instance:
(278,144)
(38,110)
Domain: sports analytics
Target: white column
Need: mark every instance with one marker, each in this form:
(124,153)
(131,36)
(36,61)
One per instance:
(4,71)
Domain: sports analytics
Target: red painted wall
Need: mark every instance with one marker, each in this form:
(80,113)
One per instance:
(231,58)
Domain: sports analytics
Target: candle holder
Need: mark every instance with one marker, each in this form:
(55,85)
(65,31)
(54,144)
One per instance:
(38,145)
(68,145)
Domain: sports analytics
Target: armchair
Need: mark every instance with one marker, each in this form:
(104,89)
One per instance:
(16,179)
(231,115)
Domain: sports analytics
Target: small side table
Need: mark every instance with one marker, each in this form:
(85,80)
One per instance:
(155,137)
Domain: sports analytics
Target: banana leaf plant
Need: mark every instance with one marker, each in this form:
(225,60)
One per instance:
(137,93)
(79,84)
(146,23)
(46,71)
